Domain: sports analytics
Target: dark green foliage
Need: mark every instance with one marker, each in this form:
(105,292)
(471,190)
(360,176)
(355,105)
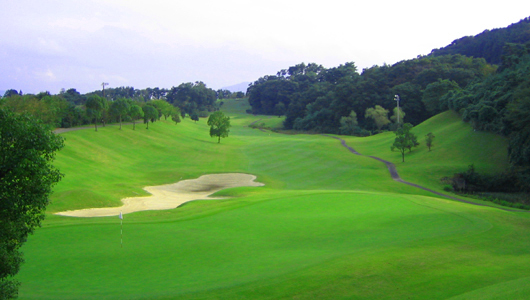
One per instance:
(471,181)
(73,96)
(490,43)
(194,116)
(219,125)
(349,124)
(429,138)
(316,98)
(175,115)
(150,114)
(120,108)
(501,103)
(11,92)
(27,148)
(136,113)
(434,92)
(95,106)
(192,96)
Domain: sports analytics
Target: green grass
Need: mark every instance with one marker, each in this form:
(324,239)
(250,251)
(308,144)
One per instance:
(327,225)
(456,146)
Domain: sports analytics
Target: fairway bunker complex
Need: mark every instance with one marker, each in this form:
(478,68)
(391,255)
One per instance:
(170,196)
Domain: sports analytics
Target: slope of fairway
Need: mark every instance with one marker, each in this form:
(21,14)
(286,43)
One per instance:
(327,224)
(456,146)
(102,167)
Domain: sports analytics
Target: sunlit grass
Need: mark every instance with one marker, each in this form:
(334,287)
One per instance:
(327,225)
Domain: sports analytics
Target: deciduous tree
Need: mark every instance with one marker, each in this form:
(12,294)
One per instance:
(150,114)
(404,140)
(27,149)
(135,112)
(175,115)
(95,105)
(119,108)
(429,139)
(379,115)
(348,124)
(219,125)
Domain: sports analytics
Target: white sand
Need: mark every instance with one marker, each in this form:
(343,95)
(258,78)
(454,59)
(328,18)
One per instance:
(170,196)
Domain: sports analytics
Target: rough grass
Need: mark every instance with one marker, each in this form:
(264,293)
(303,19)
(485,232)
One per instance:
(327,225)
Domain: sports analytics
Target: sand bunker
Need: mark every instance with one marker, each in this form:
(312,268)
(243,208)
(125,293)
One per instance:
(170,196)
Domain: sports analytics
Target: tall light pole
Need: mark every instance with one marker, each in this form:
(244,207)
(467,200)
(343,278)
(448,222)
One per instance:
(396,98)
(103,85)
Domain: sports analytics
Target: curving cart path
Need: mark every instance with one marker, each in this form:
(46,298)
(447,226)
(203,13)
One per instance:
(394,174)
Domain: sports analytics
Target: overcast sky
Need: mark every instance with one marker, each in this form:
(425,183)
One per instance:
(46,45)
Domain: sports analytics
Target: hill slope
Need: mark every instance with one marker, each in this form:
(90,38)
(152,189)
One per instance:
(327,225)
(489,44)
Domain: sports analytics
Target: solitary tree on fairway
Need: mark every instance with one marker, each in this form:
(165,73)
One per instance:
(135,112)
(219,125)
(27,149)
(404,140)
(428,140)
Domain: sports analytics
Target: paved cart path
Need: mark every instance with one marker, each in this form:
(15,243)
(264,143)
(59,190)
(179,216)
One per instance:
(394,174)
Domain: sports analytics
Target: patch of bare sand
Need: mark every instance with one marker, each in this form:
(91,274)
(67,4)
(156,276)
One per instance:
(170,196)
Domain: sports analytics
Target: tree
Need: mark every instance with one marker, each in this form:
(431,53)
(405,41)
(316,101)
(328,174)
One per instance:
(150,114)
(27,149)
(279,109)
(135,112)
(194,116)
(404,140)
(434,92)
(348,124)
(119,108)
(175,115)
(219,125)
(95,105)
(164,108)
(402,115)
(428,140)
(10,93)
(379,115)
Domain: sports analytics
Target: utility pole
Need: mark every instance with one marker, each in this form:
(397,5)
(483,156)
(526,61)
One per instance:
(396,98)
(103,85)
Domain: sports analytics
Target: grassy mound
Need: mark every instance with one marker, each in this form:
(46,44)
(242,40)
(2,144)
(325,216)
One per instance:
(327,225)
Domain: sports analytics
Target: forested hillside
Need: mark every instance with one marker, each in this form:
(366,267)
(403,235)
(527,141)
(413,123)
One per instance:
(490,43)
(340,100)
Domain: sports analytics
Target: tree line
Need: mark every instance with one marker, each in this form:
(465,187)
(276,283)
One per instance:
(342,101)
(490,43)
(70,108)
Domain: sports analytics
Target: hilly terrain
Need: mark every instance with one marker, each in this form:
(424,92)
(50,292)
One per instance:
(327,224)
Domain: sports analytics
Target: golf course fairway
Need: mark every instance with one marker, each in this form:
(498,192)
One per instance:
(327,224)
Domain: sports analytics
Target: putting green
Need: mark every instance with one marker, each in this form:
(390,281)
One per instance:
(260,241)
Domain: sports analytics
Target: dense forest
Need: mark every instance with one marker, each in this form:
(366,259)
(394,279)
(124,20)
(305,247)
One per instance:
(317,99)
(490,43)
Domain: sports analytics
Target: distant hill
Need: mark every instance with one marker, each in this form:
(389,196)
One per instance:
(490,43)
(240,87)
